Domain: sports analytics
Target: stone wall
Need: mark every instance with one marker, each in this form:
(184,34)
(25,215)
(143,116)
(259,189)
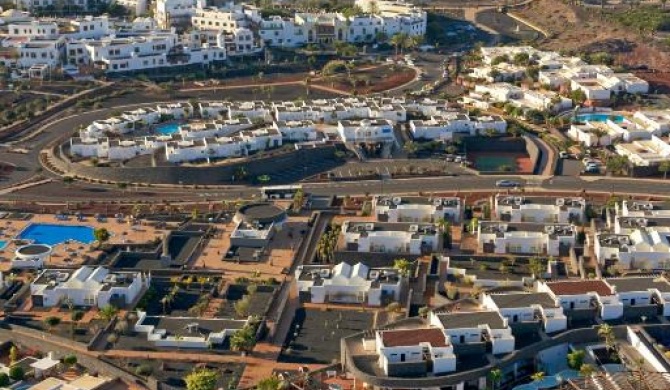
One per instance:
(203,175)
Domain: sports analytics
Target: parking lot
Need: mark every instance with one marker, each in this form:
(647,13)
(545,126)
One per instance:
(314,336)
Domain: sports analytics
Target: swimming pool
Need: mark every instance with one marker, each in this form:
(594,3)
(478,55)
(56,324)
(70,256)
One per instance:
(3,244)
(49,234)
(599,118)
(167,129)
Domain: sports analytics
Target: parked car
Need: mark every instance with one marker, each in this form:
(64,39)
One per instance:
(563,155)
(507,184)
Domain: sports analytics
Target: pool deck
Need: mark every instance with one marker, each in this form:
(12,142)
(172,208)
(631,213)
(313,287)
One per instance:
(73,253)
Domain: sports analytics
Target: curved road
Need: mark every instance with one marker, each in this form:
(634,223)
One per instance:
(82,191)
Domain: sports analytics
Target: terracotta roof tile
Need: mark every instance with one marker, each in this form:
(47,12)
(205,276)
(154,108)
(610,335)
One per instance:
(407,337)
(581,287)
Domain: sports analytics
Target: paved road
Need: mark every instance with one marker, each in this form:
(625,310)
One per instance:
(83,192)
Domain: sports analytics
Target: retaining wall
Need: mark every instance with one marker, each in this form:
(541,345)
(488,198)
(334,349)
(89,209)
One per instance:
(189,175)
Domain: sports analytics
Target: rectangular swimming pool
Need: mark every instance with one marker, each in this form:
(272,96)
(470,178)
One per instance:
(50,234)
(167,129)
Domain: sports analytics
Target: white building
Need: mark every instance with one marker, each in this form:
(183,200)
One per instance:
(585,295)
(186,332)
(345,283)
(171,12)
(528,307)
(539,209)
(630,208)
(476,327)
(87,286)
(31,256)
(417,209)
(410,238)
(401,347)
(41,51)
(643,290)
(525,238)
(645,153)
(638,243)
(366,130)
(300,131)
(656,122)
(33,29)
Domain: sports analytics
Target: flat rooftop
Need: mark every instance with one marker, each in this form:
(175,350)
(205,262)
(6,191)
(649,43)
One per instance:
(409,337)
(640,284)
(580,287)
(471,320)
(514,300)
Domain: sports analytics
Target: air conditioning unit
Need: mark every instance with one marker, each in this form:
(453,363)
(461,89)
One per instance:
(397,200)
(413,228)
(641,222)
(560,202)
(369,226)
(437,202)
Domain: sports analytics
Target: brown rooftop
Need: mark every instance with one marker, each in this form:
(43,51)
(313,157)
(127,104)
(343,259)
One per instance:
(408,337)
(581,287)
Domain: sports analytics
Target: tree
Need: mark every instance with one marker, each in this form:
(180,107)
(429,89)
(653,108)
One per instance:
(107,312)
(521,59)
(538,376)
(4,380)
(112,339)
(664,167)
(606,332)
(398,41)
(536,266)
(13,355)
(70,360)
(474,224)
(270,383)
(243,340)
(403,266)
(242,307)
(616,164)
(298,199)
(423,311)
(495,375)
(52,322)
(144,370)
(586,370)
(17,373)
(101,234)
(576,359)
(202,379)
(410,147)
(68,180)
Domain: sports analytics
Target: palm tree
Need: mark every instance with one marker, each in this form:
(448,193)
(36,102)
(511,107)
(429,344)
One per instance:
(107,313)
(495,376)
(403,266)
(606,332)
(586,370)
(664,167)
(538,376)
(398,41)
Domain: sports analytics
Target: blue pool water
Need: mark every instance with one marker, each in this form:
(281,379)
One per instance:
(167,129)
(57,234)
(3,244)
(599,118)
